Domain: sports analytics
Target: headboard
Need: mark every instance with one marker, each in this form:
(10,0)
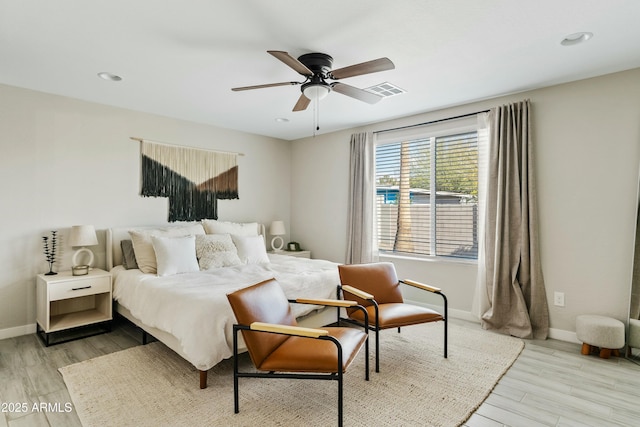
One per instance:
(118,234)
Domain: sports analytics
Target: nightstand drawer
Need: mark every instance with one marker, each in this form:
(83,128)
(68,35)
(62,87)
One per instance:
(79,287)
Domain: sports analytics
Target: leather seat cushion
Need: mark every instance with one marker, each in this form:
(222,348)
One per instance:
(299,354)
(394,315)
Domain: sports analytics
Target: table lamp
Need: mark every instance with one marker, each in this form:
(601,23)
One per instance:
(277,229)
(82,236)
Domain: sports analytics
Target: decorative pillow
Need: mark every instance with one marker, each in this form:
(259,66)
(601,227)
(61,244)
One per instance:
(251,249)
(215,251)
(212,226)
(143,247)
(175,255)
(128,256)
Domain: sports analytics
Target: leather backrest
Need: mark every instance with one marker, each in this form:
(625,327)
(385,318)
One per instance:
(378,279)
(262,302)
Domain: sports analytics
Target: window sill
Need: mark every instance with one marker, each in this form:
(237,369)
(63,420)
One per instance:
(430,259)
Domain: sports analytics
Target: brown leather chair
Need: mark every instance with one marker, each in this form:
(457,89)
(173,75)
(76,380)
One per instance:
(280,349)
(376,287)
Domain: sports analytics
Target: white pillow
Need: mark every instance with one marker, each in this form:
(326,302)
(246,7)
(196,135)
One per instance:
(215,251)
(175,255)
(211,226)
(251,249)
(143,247)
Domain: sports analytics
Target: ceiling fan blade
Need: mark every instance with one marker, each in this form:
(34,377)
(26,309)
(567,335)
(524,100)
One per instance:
(292,62)
(354,92)
(302,104)
(236,89)
(377,65)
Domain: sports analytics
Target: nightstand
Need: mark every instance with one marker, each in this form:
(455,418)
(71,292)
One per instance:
(65,302)
(297,254)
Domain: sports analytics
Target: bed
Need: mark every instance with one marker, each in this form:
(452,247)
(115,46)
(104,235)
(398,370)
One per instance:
(188,310)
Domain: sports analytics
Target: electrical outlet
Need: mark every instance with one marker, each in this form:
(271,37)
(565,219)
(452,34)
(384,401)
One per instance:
(558,299)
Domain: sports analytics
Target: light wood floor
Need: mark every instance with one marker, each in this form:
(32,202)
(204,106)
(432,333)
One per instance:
(551,384)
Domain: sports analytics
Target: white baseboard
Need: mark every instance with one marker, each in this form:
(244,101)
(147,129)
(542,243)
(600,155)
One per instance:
(17,331)
(463,315)
(562,335)
(556,334)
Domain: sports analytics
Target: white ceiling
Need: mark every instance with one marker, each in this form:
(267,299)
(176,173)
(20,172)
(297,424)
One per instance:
(181,58)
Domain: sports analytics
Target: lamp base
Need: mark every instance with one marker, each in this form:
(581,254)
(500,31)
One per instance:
(77,263)
(279,246)
(80,270)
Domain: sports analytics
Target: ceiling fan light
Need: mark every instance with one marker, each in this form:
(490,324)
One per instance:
(313,92)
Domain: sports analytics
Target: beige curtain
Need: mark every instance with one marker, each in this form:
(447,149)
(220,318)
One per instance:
(361,240)
(510,280)
(634,309)
(481,300)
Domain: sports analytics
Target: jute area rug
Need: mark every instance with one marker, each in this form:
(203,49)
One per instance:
(152,386)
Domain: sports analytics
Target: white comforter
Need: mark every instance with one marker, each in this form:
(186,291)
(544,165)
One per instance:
(194,308)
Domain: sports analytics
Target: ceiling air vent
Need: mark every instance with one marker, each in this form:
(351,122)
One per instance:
(385,89)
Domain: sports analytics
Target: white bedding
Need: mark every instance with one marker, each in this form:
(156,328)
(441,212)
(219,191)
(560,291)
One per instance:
(194,308)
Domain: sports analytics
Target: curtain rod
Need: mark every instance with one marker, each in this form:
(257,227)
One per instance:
(432,122)
(184,146)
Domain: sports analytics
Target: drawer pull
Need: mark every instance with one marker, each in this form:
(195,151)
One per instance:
(78,289)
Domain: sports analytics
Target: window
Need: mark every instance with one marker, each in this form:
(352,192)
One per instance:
(427,191)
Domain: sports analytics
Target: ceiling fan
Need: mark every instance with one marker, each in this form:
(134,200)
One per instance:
(316,68)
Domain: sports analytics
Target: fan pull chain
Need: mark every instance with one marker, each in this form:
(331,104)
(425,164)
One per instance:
(316,116)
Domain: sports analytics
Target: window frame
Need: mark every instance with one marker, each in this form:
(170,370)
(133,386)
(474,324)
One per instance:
(431,131)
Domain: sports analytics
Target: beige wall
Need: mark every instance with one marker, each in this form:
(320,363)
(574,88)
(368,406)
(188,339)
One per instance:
(65,162)
(587,152)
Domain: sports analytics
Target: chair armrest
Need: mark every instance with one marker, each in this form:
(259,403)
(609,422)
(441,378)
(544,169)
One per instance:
(324,301)
(357,292)
(421,286)
(288,330)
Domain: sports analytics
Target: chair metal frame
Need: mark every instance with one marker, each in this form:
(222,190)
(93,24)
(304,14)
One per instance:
(376,326)
(332,376)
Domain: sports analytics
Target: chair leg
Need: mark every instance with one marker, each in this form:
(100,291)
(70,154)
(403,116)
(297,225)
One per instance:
(366,359)
(340,397)
(377,349)
(377,328)
(340,376)
(236,399)
(446,329)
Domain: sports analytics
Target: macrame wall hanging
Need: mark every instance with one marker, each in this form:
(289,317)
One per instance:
(192,179)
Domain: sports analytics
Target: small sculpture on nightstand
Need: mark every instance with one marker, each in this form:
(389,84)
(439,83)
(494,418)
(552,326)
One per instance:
(50,250)
(293,247)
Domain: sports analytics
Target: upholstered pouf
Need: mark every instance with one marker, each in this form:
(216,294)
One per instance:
(600,331)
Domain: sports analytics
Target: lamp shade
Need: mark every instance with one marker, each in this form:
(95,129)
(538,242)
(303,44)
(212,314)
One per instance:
(277,228)
(83,235)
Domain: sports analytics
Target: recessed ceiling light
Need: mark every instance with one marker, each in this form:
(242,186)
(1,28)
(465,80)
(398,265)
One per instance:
(281,120)
(576,38)
(109,76)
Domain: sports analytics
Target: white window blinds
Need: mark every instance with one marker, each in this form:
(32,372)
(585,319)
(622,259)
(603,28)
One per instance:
(427,190)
